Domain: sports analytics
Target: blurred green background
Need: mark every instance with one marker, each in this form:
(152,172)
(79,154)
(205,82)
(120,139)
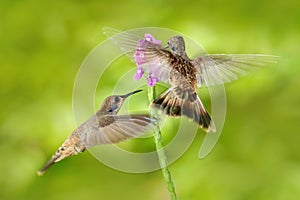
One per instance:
(43,44)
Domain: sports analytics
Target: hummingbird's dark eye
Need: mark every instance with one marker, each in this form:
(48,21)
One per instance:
(173,48)
(117,99)
(112,108)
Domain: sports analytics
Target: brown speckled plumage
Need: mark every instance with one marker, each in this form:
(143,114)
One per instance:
(181,98)
(171,64)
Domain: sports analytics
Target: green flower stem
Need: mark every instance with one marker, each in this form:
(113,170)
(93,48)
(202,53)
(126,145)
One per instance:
(160,151)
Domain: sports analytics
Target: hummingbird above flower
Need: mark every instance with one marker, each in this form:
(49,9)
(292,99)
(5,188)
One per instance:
(171,64)
(104,127)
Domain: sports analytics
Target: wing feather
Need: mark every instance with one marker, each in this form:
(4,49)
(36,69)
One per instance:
(213,69)
(156,58)
(121,128)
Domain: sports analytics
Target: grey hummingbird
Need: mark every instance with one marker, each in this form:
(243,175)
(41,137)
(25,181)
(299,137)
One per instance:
(104,127)
(172,65)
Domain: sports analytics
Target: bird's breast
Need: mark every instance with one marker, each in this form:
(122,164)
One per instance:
(183,71)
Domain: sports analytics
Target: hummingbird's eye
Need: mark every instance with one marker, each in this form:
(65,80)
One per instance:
(169,44)
(173,48)
(117,99)
(113,108)
(110,110)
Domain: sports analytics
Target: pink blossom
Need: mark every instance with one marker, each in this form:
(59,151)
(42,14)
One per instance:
(151,39)
(152,80)
(139,73)
(140,58)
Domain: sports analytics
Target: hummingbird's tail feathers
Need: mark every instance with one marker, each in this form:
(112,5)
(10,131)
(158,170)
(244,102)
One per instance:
(168,103)
(189,106)
(72,146)
(197,112)
(48,164)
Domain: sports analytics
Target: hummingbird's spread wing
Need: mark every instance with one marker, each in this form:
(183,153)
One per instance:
(113,129)
(213,69)
(155,59)
(125,41)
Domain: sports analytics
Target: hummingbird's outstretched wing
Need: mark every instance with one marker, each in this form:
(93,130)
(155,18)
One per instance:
(113,129)
(155,59)
(213,69)
(125,41)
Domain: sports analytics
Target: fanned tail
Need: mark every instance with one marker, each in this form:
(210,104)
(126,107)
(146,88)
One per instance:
(188,104)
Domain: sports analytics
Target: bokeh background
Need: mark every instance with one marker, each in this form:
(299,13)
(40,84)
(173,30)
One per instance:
(43,44)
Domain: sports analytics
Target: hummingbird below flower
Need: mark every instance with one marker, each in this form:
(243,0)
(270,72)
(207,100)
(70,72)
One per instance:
(172,65)
(104,127)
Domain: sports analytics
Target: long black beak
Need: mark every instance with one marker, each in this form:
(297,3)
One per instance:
(131,93)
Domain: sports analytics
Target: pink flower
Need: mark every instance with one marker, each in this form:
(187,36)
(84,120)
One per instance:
(151,39)
(139,73)
(140,58)
(152,80)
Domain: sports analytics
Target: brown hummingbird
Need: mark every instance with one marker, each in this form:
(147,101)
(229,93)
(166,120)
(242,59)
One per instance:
(171,64)
(104,127)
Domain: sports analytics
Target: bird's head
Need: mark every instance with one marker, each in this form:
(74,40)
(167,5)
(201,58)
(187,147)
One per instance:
(177,45)
(112,104)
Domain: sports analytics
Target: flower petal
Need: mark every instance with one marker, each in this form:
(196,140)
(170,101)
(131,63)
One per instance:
(139,73)
(152,80)
(140,58)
